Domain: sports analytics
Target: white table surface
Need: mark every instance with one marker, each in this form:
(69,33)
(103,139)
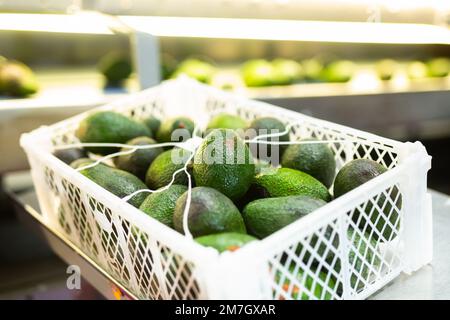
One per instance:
(431,281)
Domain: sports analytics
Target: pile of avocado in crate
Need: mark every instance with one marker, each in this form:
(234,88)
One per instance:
(244,180)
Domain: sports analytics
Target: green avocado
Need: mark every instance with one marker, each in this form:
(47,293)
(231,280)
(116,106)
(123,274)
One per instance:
(257,73)
(438,67)
(225,163)
(161,171)
(209,212)
(226,121)
(175,130)
(265,216)
(267,125)
(312,69)
(17,79)
(227,241)
(116,181)
(354,174)
(153,124)
(286,71)
(283,182)
(338,71)
(416,70)
(168,65)
(109,127)
(139,161)
(115,67)
(197,69)
(70,155)
(385,69)
(161,204)
(315,159)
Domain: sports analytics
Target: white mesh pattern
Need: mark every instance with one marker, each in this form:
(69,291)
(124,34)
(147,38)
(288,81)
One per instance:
(298,271)
(127,252)
(345,256)
(341,257)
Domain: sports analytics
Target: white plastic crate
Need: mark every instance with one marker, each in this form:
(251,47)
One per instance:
(321,256)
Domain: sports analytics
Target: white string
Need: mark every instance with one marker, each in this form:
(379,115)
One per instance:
(297,142)
(187,232)
(271,135)
(133,148)
(116,145)
(187,207)
(286,131)
(102,159)
(128,197)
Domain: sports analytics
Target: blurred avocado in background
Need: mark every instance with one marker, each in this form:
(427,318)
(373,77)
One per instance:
(438,67)
(312,69)
(116,68)
(385,69)
(338,71)
(168,65)
(416,70)
(286,71)
(16,79)
(257,73)
(200,70)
